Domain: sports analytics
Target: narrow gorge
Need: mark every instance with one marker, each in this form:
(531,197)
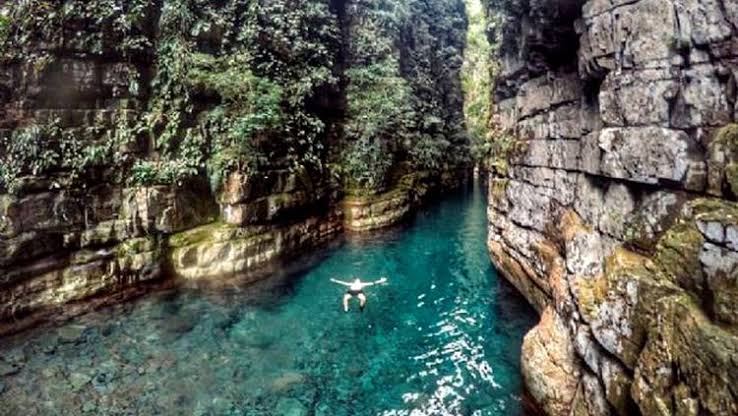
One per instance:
(145,140)
(180,180)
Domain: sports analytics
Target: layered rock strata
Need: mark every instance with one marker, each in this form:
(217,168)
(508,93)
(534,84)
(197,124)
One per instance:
(60,247)
(614,211)
(370,212)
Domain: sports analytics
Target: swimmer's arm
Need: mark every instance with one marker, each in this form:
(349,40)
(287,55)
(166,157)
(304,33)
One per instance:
(340,282)
(380,281)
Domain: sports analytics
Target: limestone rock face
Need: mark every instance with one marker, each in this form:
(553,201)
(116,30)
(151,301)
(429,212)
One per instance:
(616,218)
(222,250)
(59,246)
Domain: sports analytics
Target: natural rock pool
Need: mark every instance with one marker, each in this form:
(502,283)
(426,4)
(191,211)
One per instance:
(442,338)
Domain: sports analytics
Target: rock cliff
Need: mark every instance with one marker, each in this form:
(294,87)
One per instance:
(146,140)
(613,207)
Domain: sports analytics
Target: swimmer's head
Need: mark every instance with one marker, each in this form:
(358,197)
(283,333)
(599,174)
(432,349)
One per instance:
(357,280)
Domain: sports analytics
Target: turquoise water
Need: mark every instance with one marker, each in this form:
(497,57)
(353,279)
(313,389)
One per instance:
(441,338)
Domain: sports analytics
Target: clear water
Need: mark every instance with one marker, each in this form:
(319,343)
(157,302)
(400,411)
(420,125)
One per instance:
(442,338)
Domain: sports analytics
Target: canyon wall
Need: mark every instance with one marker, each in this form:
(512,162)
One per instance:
(143,141)
(612,206)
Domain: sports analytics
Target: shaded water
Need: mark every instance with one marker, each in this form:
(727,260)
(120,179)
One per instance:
(442,338)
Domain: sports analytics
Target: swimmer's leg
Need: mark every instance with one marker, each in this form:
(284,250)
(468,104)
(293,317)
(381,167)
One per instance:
(346,299)
(362,300)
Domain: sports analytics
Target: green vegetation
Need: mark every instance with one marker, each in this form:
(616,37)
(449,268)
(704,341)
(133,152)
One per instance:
(403,72)
(26,150)
(260,88)
(231,86)
(120,26)
(379,113)
(4,27)
(238,85)
(497,151)
(46,149)
(723,151)
(491,146)
(478,70)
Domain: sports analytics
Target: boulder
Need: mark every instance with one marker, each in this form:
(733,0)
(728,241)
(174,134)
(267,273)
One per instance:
(549,364)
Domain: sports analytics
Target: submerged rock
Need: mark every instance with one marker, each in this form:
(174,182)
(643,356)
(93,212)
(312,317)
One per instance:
(287,381)
(89,407)
(7,369)
(290,407)
(244,333)
(178,325)
(71,334)
(79,380)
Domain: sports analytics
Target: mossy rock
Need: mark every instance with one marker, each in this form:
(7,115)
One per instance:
(499,167)
(728,138)
(678,255)
(136,246)
(590,293)
(196,235)
(700,355)
(88,256)
(305,180)
(714,210)
(731,175)
(630,287)
(654,216)
(413,182)
(498,187)
(723,161)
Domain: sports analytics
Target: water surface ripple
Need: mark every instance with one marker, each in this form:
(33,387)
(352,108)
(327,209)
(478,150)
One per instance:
(442,338)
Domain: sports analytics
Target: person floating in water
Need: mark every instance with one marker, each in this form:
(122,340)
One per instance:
(356,288)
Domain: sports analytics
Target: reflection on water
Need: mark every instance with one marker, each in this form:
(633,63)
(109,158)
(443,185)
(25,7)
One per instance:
(442,338)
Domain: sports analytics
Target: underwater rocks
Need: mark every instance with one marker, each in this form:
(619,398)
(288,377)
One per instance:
(617,215)
(291,407)
(78,380)
(71,334)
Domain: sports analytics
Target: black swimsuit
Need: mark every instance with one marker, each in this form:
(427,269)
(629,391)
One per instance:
(354,292)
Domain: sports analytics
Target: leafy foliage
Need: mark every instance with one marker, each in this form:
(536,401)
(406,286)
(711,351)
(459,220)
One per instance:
(4,27)
(246,85)
(366,164)
(41,149)
(121,26)
(477,72)
(260,78)
(498,149)
(249,109)
(379,112)
(25,151)
(402,80)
